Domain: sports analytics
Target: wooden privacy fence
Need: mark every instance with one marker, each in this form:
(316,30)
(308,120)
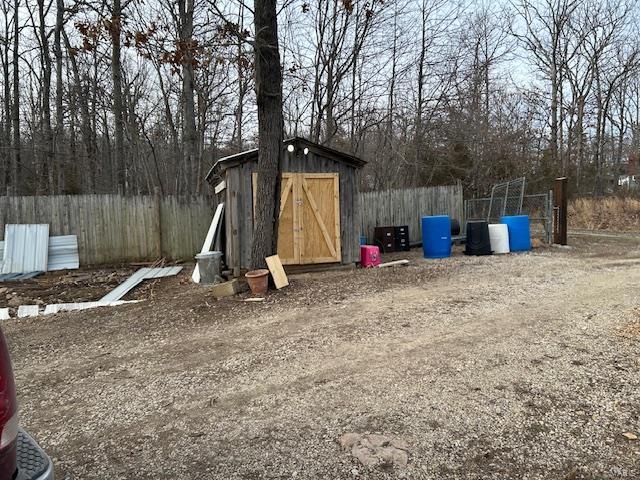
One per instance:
(116,228)
(408,206)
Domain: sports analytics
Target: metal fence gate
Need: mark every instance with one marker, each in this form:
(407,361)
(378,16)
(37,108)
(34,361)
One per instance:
(507,198)
(539,208)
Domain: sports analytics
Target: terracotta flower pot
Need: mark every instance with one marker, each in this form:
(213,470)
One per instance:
(258,281)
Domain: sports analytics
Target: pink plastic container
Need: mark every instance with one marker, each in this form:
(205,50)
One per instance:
(369,256)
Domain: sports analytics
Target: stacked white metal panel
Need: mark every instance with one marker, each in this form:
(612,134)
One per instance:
(62,253)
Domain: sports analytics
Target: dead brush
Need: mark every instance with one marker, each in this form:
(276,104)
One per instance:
(620,214)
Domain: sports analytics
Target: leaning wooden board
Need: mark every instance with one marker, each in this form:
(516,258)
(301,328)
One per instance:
(277,272)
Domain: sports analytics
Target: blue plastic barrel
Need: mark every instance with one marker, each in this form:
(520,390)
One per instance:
(363,239)
(519,232)
(436,236)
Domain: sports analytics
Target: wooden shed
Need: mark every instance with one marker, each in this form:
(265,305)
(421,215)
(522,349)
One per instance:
(319,222)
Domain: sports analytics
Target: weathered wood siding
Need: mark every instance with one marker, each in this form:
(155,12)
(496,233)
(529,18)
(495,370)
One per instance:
(407,207)
(239,195)
(115,228)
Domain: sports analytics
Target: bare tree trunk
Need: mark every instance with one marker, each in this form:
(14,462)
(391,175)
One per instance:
(580,140)
(6,134)
(15,111)
(241,85)
(201,140)
(418,141)
(388,136)
(270,131)
(82,94)
(173,134)
(120,177)
(561,156)
(71,177)
(553,143)
(59,133)
(45,123)
(622,116)
(600,128)
(330,124)
(354,102)
(189,137)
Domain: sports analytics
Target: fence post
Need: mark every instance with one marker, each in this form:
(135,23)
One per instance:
(548,216)
(158,221)
(560,204)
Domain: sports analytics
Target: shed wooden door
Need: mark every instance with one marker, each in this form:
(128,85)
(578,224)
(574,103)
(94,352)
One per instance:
(309,228)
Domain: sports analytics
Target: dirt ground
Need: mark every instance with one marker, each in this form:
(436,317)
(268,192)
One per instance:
(69,286)
(522,366)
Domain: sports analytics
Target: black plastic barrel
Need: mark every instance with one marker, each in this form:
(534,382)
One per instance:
(478,240)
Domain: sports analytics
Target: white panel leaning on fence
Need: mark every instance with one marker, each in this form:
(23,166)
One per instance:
(62,252)
(25,248)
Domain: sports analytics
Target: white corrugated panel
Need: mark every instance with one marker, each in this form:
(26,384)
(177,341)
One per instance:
(26,248)
(63,253)
(140,275)
(161,272)
(122,289)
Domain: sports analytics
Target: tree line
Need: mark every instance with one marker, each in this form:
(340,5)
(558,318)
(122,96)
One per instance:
(131,96)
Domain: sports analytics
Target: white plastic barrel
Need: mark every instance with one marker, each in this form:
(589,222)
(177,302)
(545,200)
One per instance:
(499,237)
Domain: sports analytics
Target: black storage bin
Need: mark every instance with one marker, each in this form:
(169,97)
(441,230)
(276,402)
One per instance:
(478,241)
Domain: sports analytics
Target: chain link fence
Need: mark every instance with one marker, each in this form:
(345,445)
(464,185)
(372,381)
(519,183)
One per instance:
(507,198)
(539,208)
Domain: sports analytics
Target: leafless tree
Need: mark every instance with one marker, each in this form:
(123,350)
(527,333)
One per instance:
(131,96)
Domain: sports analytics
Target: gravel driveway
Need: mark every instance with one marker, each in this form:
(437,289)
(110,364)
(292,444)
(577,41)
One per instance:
(522,366)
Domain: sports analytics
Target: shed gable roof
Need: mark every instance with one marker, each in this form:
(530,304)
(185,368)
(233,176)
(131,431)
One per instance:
(249,155)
